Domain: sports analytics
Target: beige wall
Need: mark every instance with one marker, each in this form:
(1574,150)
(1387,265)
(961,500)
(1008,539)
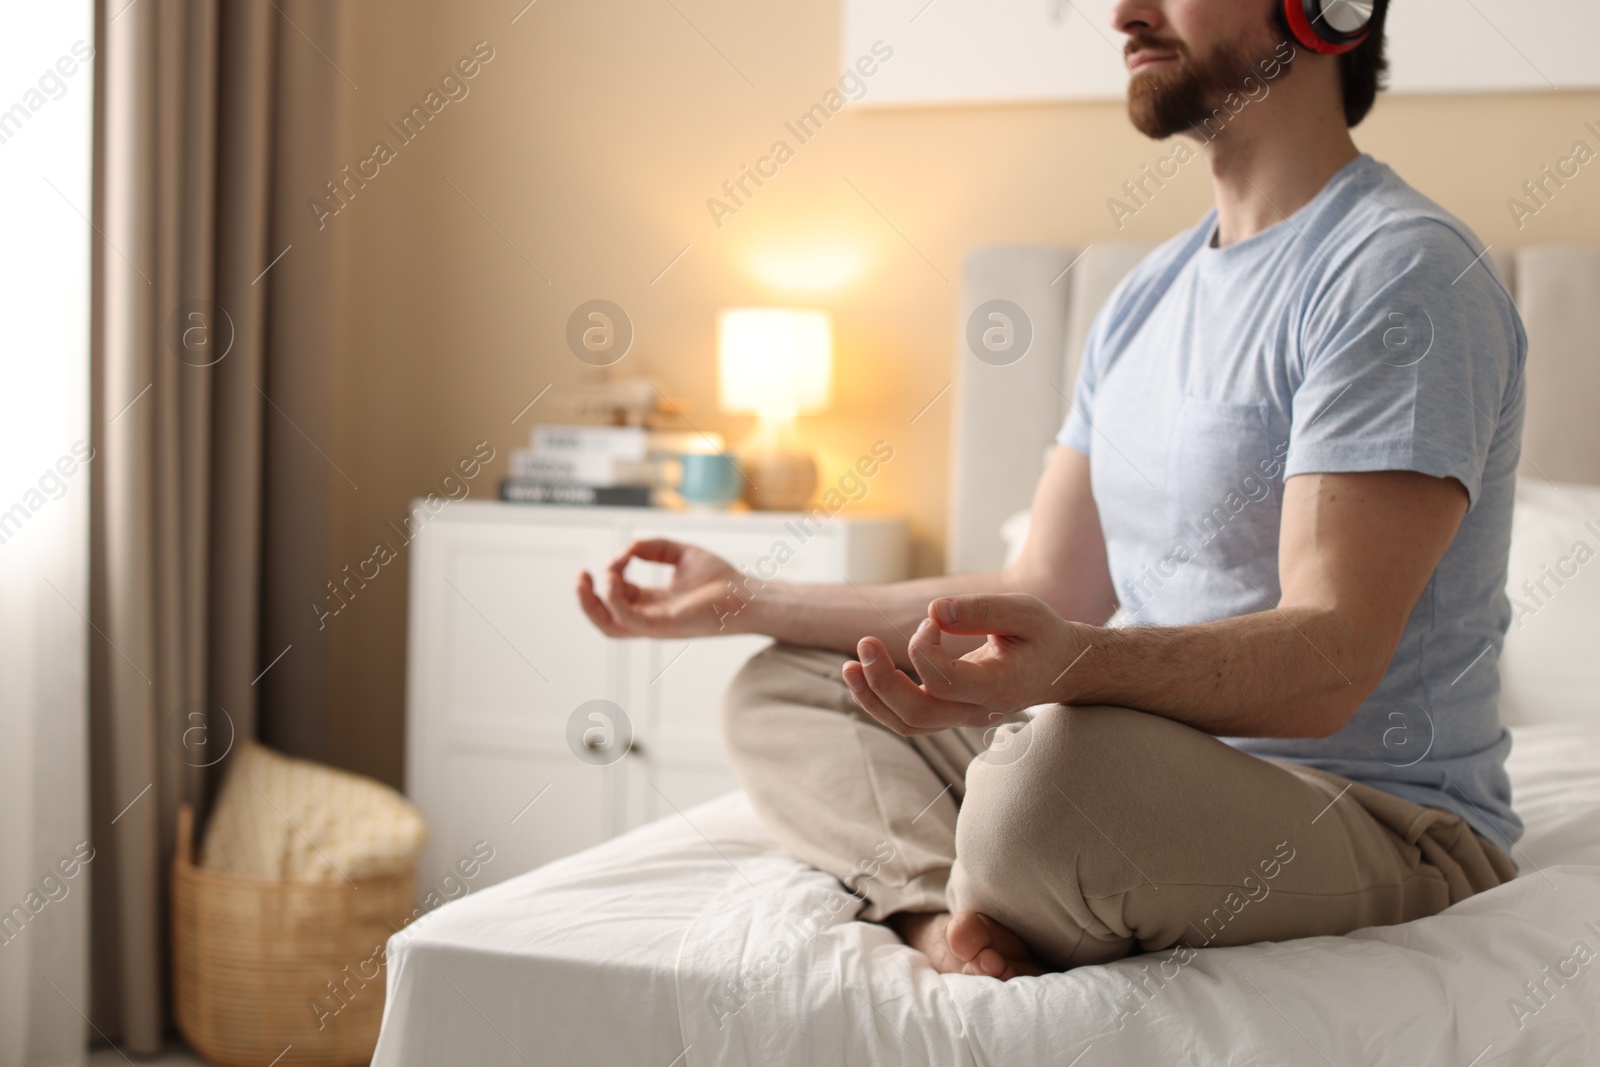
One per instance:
(592,141)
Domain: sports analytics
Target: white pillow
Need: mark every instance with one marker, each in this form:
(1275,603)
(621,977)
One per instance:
(1550,668)
(1014,532)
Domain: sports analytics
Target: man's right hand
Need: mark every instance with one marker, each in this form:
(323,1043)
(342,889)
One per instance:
(1063,564)
(695,603)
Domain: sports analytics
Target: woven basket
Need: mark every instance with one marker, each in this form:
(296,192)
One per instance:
(263,969)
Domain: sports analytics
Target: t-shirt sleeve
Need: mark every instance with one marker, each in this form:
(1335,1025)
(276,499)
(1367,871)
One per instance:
(1406,353)
(1075,431)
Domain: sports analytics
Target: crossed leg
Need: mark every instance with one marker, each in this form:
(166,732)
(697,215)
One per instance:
(1082,836)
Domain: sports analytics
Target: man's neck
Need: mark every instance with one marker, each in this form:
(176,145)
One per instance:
(1272,160)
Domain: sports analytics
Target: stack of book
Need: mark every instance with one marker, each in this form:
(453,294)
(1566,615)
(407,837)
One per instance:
(609,466)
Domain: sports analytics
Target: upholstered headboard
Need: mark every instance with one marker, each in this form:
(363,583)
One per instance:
(1007,409)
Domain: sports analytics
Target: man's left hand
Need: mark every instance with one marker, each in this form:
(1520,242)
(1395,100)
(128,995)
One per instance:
(1029,650)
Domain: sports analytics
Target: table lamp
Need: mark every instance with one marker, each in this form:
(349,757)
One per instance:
(775,363)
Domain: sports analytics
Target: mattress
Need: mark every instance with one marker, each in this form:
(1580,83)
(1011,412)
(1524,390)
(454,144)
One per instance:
(694,941)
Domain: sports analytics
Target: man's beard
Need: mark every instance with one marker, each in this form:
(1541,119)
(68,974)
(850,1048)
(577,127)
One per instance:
(1186,91)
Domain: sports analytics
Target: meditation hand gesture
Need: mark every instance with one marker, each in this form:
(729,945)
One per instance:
(696,602)
(1029,649)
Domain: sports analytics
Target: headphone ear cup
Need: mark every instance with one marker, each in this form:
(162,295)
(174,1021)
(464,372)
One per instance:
(1330,27)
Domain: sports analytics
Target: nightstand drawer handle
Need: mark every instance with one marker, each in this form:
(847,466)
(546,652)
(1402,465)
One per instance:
(594,742)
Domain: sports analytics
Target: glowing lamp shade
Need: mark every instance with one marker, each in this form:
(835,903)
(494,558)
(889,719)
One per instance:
(774,362)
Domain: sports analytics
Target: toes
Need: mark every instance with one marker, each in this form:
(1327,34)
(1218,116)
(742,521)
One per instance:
(1005,942)
(989,964)
(987,948)
(993,964)
(968,935)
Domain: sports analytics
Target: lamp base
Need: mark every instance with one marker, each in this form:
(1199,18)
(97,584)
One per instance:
(778,480)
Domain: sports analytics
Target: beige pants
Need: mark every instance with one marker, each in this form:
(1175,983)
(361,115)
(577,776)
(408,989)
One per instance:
(1092,832)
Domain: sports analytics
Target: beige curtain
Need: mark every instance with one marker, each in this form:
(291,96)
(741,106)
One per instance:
(199,104)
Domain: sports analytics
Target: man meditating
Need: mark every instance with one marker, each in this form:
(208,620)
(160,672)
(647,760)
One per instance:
(1288,469)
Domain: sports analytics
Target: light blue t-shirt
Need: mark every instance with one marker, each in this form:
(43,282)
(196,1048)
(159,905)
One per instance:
(1365,332)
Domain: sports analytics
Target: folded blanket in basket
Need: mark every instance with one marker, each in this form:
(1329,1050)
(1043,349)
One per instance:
(294,820)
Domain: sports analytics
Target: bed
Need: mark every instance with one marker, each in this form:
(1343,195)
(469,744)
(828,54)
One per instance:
(694,941)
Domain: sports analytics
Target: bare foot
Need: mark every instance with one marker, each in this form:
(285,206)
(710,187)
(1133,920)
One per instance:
(924,931)
(988,948)
(965,943)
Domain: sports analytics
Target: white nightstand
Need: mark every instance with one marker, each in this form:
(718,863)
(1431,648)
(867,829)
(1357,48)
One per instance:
(500,657)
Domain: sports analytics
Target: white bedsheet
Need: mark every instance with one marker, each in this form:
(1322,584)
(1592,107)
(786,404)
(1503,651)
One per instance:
(633,953)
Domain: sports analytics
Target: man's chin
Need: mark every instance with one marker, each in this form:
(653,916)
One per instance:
(1144,122)
(1169,98)
(1159,100)
(1152,120)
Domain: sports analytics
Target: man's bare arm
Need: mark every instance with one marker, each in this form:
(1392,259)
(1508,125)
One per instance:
(1356,552)
(1063,563)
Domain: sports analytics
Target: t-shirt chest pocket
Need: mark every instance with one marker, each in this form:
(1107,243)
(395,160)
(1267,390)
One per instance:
(1224,495)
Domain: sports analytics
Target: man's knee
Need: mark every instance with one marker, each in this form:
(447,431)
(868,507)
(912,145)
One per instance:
(1063,749)
(750,689)
(1035,805)
(774,681)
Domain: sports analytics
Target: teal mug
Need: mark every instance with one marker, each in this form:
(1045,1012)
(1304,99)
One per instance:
(709,479)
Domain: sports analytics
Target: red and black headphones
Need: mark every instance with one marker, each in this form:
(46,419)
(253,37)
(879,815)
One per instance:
(1331,27)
